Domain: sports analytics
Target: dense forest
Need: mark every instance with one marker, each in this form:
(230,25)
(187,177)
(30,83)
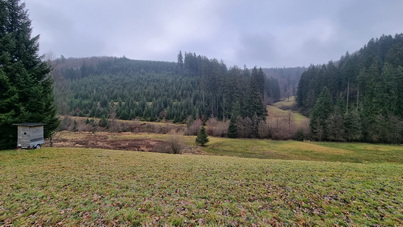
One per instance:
(194,86)
(359,97)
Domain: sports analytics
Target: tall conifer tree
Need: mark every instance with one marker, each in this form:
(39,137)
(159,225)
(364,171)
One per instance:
(320,113)
(29,88)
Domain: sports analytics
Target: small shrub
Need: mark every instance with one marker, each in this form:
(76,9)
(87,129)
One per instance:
(103,122)
(263,129)
(194,127)
(187,132)
(244,127)
(75,126)
(173,145)
(299,135)
(161,147)
(217,128)
(66,123)
(283,128)
(176,144)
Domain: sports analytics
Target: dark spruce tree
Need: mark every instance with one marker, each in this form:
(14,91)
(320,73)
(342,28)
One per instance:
(320,113)
(8,107)
(202,137)
(232,130)
(26,88)
(180,62)
(352,122)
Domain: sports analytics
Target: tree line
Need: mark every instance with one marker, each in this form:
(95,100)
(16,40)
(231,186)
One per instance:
(359,97)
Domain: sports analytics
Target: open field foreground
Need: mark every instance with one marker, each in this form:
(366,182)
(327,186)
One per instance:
(80,186)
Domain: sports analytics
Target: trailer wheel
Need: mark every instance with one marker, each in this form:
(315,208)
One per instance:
(38,146)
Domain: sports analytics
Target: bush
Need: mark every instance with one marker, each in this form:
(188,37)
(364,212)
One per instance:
(104,122)
(284,127)
(66,123)
(194,127)
(217,128)
(299,135)
(263,129)
(176,144)
(244,127)
(173,145)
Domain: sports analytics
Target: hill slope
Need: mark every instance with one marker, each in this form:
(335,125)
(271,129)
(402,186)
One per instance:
(153,90)
(69,186)
(358,98)
(149,90)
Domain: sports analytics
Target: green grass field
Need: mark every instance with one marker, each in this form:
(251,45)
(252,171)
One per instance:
(279,111)
(77,186)
(275,114)
(286,104)
(285,150)
(310,151)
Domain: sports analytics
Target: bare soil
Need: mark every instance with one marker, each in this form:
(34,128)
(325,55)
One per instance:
(90,140)
(102,141)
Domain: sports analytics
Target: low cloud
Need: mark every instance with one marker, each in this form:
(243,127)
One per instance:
(262,33)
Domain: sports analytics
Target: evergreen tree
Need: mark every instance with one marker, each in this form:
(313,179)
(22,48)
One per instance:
(8,109)
(399,85)
(103,122)
(352,122)
(202,137)
(335,127)
(29,85)
(180,61)
(389,92)
(321,112)
(254,99)
(232,130)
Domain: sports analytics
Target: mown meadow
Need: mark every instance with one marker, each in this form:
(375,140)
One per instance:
(81,186)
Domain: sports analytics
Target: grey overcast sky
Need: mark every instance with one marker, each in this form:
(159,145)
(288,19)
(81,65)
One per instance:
(263,33)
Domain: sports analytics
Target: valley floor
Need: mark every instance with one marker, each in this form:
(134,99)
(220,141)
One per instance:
(246,148)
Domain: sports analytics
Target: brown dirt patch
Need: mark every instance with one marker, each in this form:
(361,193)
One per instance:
(103,141)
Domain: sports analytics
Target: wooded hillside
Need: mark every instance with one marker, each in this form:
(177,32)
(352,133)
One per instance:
(359,97)
(194,86)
